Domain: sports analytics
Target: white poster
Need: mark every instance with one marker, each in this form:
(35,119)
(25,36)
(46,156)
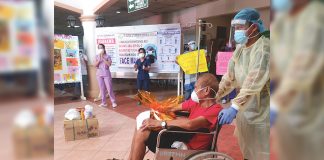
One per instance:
(122,44)
(67,67)
(18,39)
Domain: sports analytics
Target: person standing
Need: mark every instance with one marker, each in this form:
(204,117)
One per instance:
(143,66)
(190,79)
(77,87)
(248,72)
(103,62)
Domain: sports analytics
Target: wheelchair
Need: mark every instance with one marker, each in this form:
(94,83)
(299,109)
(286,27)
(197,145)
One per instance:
(177,154)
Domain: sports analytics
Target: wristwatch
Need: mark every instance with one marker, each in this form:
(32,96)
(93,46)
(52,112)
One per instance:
(164,124)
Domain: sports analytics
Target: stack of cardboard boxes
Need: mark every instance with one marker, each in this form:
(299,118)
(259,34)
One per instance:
(81,129)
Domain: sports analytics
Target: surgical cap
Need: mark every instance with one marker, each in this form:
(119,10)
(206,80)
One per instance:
(250,15)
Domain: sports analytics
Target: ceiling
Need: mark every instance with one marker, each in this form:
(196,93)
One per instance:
(155,7)
(60,23)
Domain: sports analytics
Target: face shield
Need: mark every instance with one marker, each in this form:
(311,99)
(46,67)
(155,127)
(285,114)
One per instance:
(239,32)
(192,45)
(236,24)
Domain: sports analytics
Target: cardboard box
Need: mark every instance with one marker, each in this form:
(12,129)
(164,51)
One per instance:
(81,129)
(33,142)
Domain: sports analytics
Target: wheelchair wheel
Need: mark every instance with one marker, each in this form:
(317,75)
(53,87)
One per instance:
(209,155)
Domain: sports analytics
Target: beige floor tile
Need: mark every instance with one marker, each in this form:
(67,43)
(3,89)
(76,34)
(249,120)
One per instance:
(120,146)
(59,154)
(124,135)
(80,155)
(91,144)
(102,155)
(61,144)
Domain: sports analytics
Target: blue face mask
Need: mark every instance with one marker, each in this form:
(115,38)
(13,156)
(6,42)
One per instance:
(281,5)
(240,37)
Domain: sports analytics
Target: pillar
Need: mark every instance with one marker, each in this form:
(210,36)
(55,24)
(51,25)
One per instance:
(89,43)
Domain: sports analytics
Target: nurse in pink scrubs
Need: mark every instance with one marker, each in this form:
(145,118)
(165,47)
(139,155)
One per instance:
(103,62)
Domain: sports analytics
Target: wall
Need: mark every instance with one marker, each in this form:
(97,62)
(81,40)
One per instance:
(209,11)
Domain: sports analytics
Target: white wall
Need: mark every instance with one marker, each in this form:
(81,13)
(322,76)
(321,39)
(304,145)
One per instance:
(208,11)
(211,9)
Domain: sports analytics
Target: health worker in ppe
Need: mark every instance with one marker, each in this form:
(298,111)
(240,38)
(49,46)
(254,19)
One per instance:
(248,73)
(297,64)
(190,79)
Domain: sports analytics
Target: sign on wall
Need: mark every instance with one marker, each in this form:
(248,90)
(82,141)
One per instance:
(222,62)
(135,5)
(122,44)
(188,62)
(67,67)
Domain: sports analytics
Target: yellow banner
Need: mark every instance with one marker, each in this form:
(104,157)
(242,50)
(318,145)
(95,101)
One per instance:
(188,62)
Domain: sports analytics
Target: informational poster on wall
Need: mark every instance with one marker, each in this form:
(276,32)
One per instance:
(67,67)
(222,61)
(122,43)
(18,40)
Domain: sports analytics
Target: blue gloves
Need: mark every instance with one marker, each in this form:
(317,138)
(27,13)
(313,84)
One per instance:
(273,117)
(227,115)
(273,113)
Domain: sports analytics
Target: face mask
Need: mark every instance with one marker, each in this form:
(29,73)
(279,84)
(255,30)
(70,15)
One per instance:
(101,51)
(282,5)
(192,46)
(194,96)
(241,38)
(149,52)
(141,55)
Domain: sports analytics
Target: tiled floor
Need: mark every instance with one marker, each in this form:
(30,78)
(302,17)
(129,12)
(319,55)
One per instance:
(116,130)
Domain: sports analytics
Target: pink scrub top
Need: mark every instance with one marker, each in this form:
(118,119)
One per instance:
(103,69)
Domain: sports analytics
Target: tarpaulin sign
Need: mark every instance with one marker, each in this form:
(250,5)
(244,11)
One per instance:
(188,62)
(222,62)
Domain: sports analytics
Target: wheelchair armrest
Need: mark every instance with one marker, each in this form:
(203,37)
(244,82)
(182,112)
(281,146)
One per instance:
(200,130)
(182,113)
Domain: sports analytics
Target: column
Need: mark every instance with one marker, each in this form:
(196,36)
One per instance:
(89,43)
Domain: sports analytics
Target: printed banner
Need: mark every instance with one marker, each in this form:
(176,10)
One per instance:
(188,62)
(129,43)
(222,62)
(122,44)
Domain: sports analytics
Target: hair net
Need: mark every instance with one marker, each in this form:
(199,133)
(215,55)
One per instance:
(251,15)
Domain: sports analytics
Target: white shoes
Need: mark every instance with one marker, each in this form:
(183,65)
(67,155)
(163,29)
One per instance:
(97,99)
(102,105)
(114,105)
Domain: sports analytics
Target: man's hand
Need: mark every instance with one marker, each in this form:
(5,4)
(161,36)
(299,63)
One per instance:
(151,124)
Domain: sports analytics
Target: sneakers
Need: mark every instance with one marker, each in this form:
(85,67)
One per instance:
(97,99)
(114,105)
(102,105)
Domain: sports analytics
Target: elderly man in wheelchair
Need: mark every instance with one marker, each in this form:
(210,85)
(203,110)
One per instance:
(203,114)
